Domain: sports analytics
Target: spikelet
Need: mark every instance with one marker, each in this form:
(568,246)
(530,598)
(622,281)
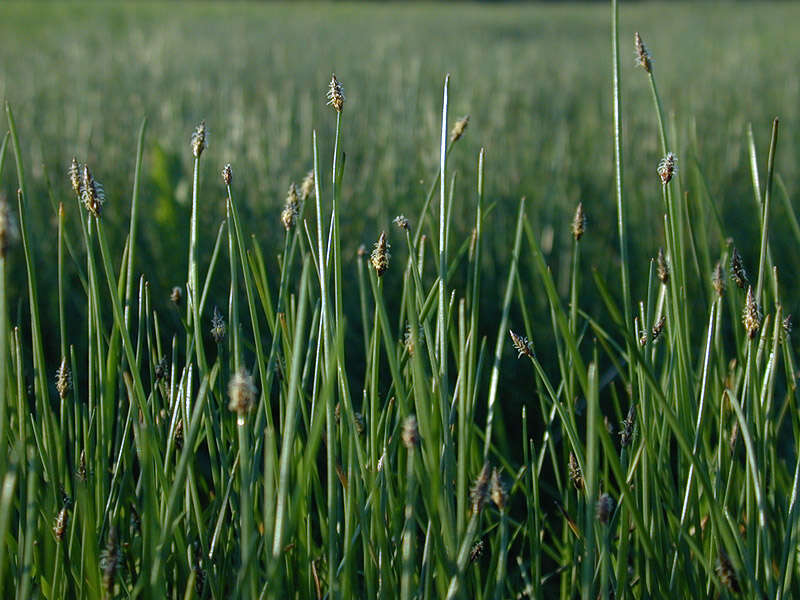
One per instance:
(738,273)
(380,255)
(63,379)
(751,315)
(659,327)
(199,142)
(402,222)
(522,345)
(92,193)
(60,526)
(667,167)
(176,295)
(307,187)
(787,324)
(361,252)
(626,433)
(643,58)
(477,550)
(82,467)
(291,209)
(179,435)
(718,279)
(75,177)
(410,433)
(227,174)
(575,473)
(662,267)
(498,491)
(479,493)
(578,223)
(604,507)
(459,128)
(161,369)
(726,573)
(336,94)
(218,328)
(242,393)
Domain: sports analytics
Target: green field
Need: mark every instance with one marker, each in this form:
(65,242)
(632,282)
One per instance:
(327,488)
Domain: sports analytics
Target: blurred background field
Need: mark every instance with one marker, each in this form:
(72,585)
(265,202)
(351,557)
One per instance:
(534,78)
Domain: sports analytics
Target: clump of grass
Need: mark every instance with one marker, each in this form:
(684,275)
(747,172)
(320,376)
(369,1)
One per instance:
(211,459)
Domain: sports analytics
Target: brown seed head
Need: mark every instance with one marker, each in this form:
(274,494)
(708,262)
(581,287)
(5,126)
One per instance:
(307,187)
(718,279)
(667,167)
(726,573)
(199,139)
(291,209)
(218,328)
(402,222)
(60,526)
(643,57)
(498,491)
(63,379)
(787,324)
(751,315)
(522,345)
(604,508)
(227,174)
(82,466)
(242,393)
(92,193)
(575,473)
(336,94)
(626,433)
(578,223)
(380,255)
(176,295)
(662,267)
(410,432)
(75,177)
(479,493)
(459,128)
(179,435)
(659,327)
(738,273)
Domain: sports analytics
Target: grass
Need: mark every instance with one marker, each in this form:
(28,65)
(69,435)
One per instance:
(303,423)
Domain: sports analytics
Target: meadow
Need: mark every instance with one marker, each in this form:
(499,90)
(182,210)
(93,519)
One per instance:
(213,387)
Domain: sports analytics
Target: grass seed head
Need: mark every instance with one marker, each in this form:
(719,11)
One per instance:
(63,379)
(60,526)
(662,267)
(291,209)
(626,433)
(667,167)
(459,128)
(575,473)
(787,324)
(402,222)
(218,328)
(726,573)
(82,467)
(307,187)
(75,177)
(522,345)
(227,174)
(751,315)
(92,193)
(479,493)
(410,432)
(161,369)
(604,507)
(498,491)
(336,94)
(738,273)
(176,295)
(718,279)
(242,393)
(179,435)
(380,255)
(643,58)
(578,223)
(199,141)
(659,327)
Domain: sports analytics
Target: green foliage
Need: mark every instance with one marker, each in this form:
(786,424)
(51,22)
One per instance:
(301,424)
